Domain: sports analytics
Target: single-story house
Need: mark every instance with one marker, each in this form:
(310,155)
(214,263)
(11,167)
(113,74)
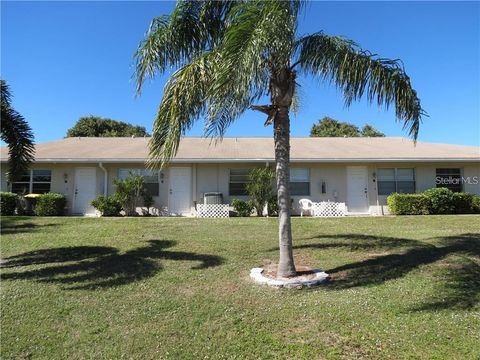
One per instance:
(360,172)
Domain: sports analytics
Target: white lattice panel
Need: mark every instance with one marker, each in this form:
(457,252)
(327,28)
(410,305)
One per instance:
(329,208)
(213,210)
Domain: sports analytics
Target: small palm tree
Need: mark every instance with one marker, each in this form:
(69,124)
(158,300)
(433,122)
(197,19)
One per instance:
(228,55)
(17,134)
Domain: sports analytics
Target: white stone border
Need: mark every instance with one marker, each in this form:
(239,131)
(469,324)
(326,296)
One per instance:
(257,275)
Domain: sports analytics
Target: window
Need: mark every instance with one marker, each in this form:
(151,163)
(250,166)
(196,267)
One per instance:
(150,179)
(450,179)
(405,181)
(33,182)
(396,180)
(300,181)
(239,178)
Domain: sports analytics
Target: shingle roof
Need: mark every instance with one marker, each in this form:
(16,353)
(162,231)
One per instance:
(194,149)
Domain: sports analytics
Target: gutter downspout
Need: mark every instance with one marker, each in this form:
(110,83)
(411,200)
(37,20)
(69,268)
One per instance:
(105,178)
(379,208)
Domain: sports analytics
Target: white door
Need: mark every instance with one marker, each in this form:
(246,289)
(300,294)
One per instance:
(85,190)
(180,192)
(357,189)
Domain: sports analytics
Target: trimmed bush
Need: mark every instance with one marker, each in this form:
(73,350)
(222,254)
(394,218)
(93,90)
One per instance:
(8,203)
(476,204)
(441,201)
(107,205)
(242,207)
(408,204)
(463,203)
(50,204)
(434,201)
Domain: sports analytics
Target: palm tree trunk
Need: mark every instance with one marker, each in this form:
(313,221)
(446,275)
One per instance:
(281,135)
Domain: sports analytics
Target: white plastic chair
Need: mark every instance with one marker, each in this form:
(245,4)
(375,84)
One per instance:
(306,205)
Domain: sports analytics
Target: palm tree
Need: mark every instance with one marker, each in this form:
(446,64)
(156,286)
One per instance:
(17,134)
(228,55)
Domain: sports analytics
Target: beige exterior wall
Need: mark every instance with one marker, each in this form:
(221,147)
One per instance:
(425,174)
(63,179)
(215,178)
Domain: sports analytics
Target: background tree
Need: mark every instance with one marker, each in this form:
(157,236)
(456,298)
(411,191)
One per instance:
(95,126)
(17,134)
(328,127)
(230,54)
(370,131)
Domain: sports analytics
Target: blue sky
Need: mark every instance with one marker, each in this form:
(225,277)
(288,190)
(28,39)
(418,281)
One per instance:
(64,60)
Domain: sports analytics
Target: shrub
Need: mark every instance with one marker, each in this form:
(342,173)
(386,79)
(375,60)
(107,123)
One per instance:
(408,204)
(463,203)
(130,193)
(242,207)
(107,205)
(476,204)
(8,203)
(148,203)
(441,201)
(260,187)
(272,206)
(50,205)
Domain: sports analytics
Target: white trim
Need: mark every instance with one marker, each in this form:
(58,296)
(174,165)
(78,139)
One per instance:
(105,179)
(244,160)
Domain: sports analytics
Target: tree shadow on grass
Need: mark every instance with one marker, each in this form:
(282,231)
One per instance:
(16,225)
(90,267)
(356,242)
(461,290)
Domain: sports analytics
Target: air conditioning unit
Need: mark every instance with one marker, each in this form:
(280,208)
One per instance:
(212,198)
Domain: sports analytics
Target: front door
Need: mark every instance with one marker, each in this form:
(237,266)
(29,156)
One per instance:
(180,192)
(357,189)
(85,190)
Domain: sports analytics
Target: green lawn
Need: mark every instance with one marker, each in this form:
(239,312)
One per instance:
(154,288)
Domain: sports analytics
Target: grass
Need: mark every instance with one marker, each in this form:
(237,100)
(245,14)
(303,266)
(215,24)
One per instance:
(155,288)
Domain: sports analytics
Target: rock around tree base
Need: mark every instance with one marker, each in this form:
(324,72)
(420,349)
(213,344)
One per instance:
(305,277)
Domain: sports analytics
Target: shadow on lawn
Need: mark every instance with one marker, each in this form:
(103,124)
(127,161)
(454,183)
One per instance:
(458,288)
(360,242)
(460,285)
(16,225)
(99,266)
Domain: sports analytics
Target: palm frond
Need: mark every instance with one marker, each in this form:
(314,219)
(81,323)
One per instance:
(17,134)
(357,72)
(176,39)
(184,101)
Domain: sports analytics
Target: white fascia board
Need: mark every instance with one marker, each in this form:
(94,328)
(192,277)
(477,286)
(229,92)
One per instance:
(236,160)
